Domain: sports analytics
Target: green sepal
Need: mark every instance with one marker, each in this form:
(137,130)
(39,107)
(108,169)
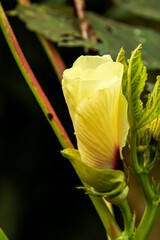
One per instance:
(104,181)
(118,198)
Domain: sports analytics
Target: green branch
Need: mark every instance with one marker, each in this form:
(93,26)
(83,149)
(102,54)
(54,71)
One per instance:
(127,216)
(107,218)
(149,218)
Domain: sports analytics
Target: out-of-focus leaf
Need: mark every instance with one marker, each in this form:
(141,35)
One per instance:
(50,2)
(145,8)
(56,23)
(59,25)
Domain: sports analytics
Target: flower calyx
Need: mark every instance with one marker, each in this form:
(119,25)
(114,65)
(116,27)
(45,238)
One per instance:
(106,183)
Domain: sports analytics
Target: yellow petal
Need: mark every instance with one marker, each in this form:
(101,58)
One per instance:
(103,76)
(84,65)
(106,71)
(78,85)
(122,118)
(91,62)
(92,89)
(96,126)
(70,92)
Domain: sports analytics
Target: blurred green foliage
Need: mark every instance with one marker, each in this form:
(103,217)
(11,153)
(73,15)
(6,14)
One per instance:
(57,22)
(142,8)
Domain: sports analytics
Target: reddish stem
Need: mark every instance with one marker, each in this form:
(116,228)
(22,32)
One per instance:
(32,82)
(50,50)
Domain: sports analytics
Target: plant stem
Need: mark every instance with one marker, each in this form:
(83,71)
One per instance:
(54,57)
(107,218)
(149,218)
(137,169)
(127,215)
(143,176)
(32,82)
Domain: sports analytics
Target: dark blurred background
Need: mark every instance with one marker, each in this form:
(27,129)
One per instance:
(38,198)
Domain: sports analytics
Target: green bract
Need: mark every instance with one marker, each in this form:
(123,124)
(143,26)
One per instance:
(107,181)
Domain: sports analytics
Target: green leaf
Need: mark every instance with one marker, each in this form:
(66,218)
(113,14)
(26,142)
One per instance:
(144,8)
(137,77)
(121,58)
(2,235)
(58,24)
(107,181)
(152,109)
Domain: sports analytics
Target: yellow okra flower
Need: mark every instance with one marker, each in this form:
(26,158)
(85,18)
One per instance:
(98,109)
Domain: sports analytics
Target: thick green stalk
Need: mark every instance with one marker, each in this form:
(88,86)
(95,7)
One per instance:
(149,218)
(106,217)
(143,176)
